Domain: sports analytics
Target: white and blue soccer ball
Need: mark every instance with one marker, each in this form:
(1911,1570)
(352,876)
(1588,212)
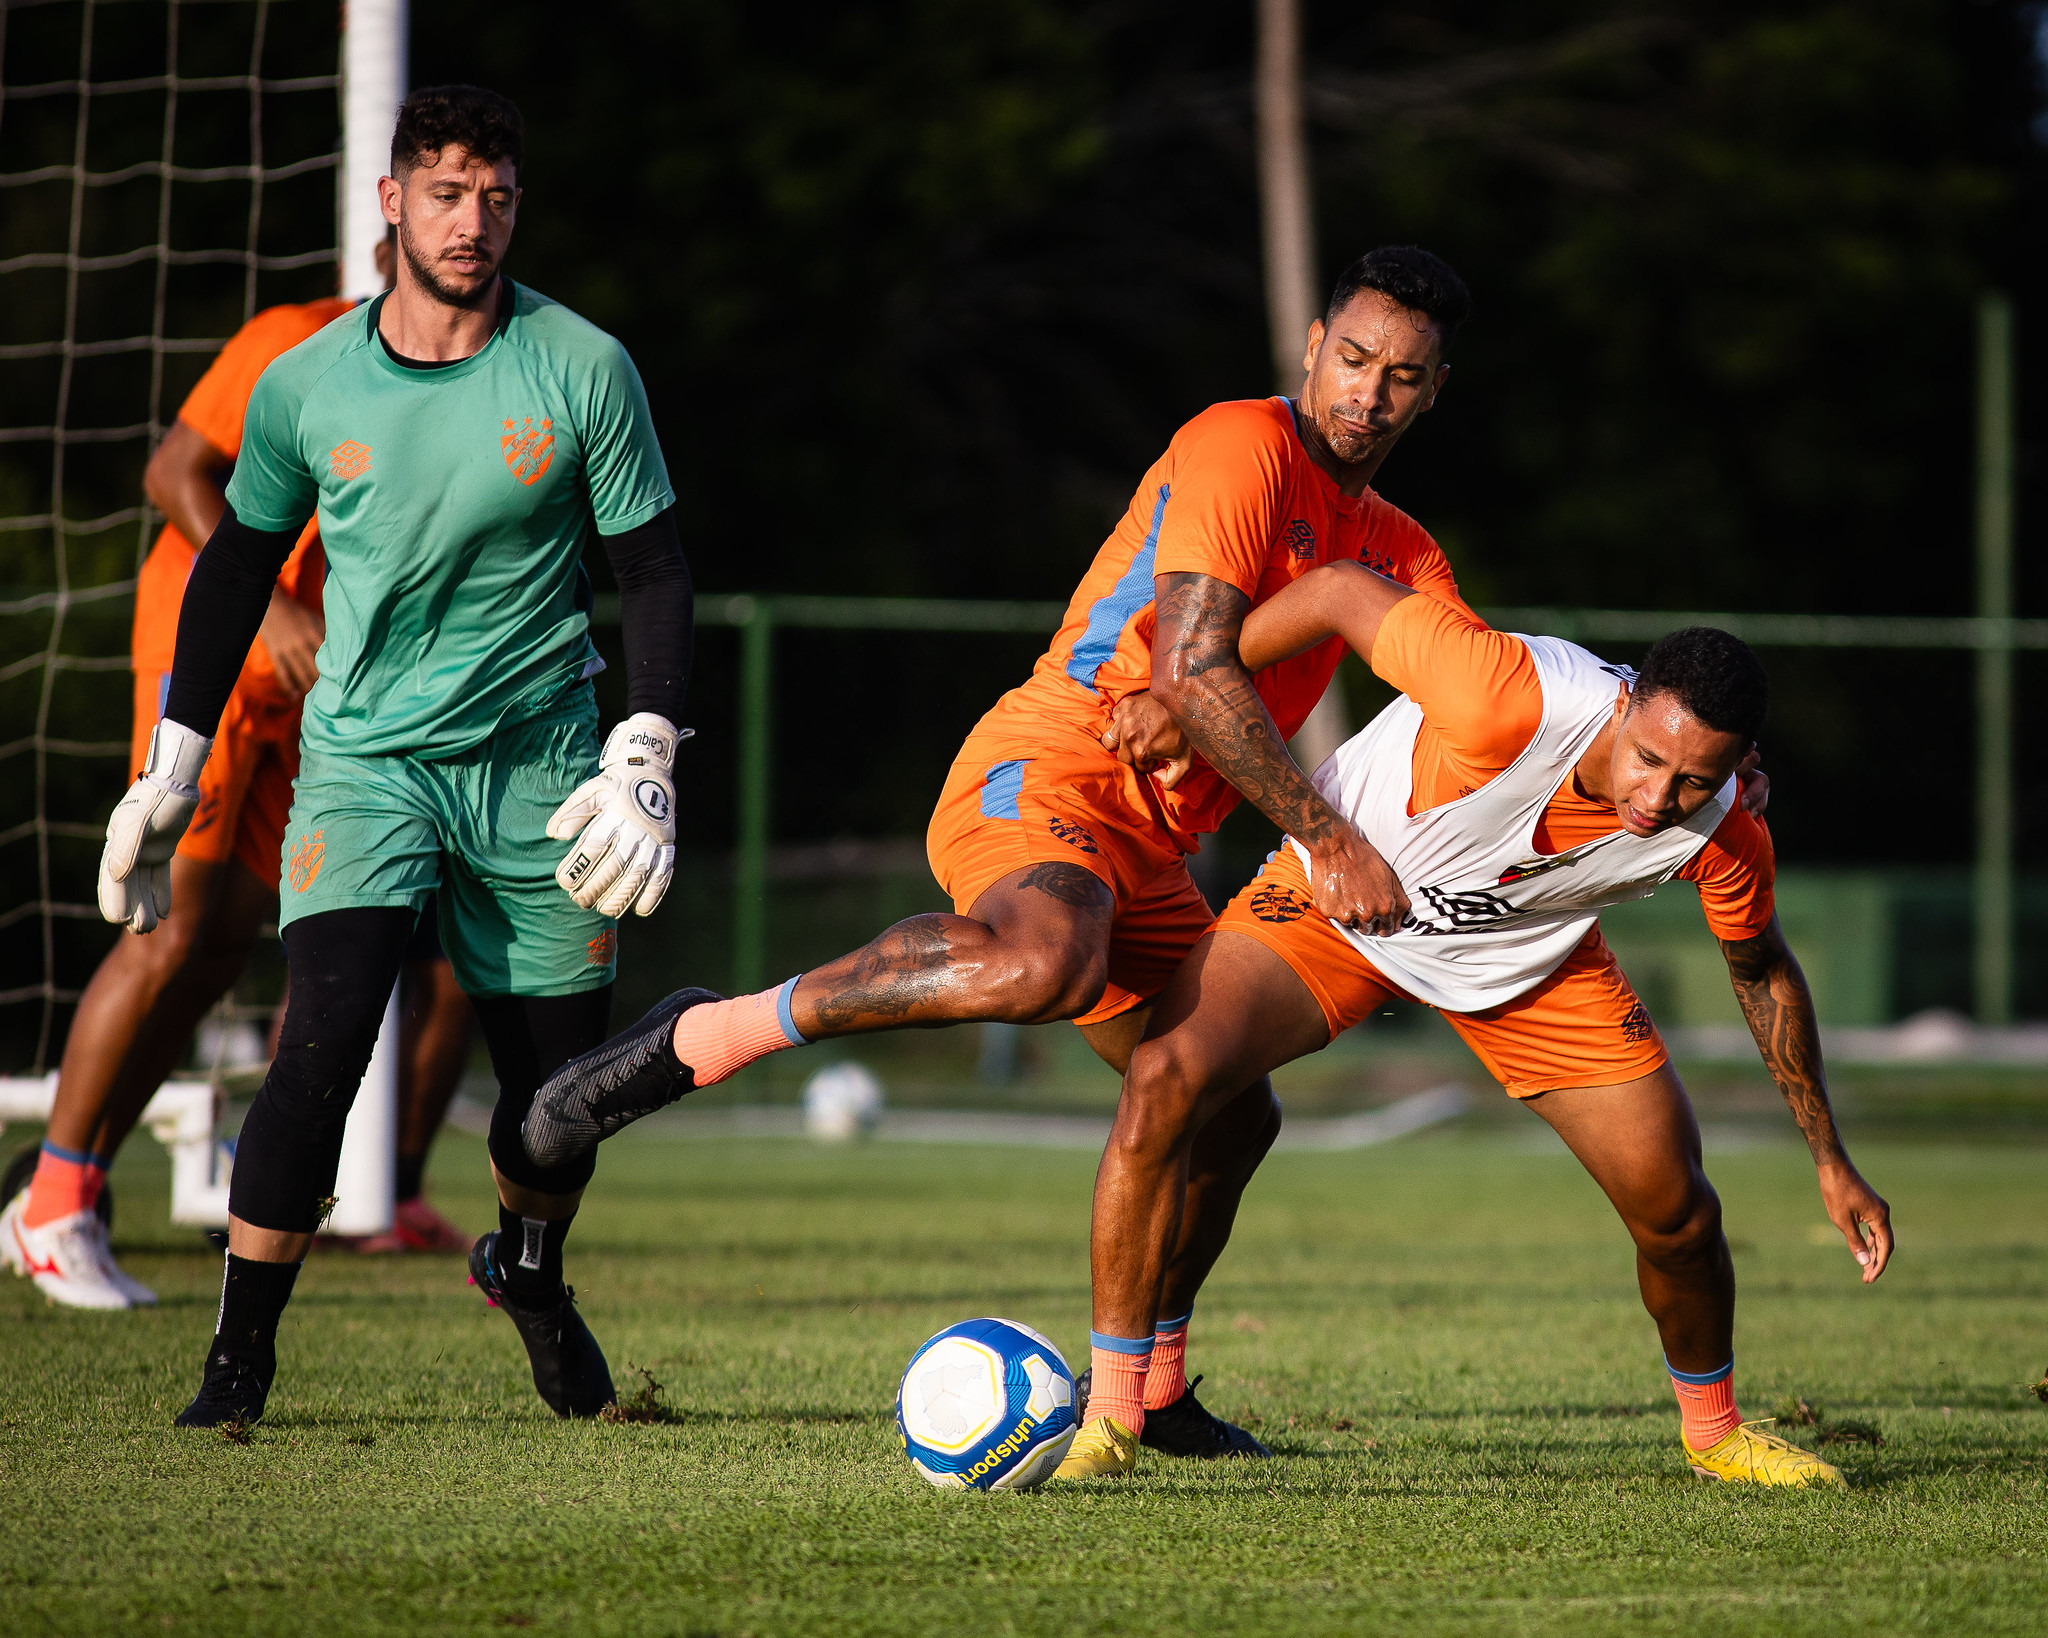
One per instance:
(987,1404)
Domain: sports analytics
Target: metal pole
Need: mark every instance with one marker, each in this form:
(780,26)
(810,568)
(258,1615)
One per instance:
(1287,224)
(373,81)
(756,621)
(373,71)
(1286,220)
(1995,433)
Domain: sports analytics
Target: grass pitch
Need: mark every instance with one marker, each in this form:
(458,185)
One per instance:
(1441,1337)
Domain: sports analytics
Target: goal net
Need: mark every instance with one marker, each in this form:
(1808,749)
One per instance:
(167,168)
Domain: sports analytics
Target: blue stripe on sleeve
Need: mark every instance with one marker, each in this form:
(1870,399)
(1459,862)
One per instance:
(1000,788)
(1109,616)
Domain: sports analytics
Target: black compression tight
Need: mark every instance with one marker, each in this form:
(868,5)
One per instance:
(341,965)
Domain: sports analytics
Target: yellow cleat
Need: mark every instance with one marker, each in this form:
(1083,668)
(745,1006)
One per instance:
(1751,1456)
(1105,1448)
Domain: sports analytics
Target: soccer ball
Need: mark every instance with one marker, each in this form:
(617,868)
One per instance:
(987,1404)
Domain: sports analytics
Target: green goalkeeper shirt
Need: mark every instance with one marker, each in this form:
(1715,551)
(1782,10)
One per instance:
(454,505)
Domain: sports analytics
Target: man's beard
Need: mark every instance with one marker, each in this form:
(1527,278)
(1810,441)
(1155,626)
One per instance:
(439,288)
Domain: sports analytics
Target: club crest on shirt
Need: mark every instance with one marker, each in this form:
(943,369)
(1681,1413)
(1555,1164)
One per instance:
(348,459)
(1073,834)
(1300,539)
(529,449)
(1378,562)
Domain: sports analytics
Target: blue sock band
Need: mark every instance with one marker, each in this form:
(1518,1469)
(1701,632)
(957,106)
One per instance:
(782,1012)
(1704,1380)
(1166,1328)
(1119,1345)
(75,1157)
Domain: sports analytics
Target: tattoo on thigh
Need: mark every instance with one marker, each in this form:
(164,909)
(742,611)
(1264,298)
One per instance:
(1070,884)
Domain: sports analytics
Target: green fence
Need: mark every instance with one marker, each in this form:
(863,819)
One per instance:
(1997,638)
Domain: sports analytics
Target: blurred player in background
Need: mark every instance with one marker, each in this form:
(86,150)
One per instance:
(137,1014)
(1067,864)
(461,439)
(1519,786)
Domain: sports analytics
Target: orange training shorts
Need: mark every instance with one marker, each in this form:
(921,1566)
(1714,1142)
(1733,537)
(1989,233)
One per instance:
(1582,1026)
(1003,810)
(245,790)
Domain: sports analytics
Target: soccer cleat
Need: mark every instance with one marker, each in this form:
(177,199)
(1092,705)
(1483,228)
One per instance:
(1751,1456)
(611,1086)
(1103,1449)
(1183,1428)
(234,1389)
(569,1369)
(416,1226)
(69,1260)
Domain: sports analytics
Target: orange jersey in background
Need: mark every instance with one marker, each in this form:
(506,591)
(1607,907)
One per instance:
(1481,704)
(245,789)
(214,410)
(1235,497)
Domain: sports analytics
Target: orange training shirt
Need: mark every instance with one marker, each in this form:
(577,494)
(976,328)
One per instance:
(1482,702)
(1235,496)
(214,409)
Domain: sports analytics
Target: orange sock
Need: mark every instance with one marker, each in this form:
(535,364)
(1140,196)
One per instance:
(66,1181)
(720,1038)
(1117,1389)
(1706,1405)
(1168,1378)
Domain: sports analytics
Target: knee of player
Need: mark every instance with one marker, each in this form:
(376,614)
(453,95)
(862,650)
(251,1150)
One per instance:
(1161,1090)
(1683,1226)
(1042,984)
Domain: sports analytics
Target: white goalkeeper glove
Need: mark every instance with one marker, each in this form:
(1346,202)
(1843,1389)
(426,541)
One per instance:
(135,869)
(624,821)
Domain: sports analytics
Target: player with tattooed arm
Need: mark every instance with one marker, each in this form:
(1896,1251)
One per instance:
(1066,862)
(1517,787)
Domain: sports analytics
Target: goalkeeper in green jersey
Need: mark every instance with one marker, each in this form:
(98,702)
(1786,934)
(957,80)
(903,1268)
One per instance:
(460,439)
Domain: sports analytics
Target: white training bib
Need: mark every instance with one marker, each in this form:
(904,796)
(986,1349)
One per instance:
(1489,918)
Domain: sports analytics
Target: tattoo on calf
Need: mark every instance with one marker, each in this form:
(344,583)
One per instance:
(1071,885)
(893,976)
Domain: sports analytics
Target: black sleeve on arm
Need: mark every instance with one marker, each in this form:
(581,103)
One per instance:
(656,614)
(226,597)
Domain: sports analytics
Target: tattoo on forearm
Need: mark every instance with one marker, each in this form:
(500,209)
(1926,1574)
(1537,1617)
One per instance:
(1779,1008)
(1071,885)
(1198,619)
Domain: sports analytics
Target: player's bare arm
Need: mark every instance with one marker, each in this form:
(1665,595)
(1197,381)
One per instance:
(1199,677)
(186,480)
(1779,1008)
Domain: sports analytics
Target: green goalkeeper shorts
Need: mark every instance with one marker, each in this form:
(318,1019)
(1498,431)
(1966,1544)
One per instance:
(369,832)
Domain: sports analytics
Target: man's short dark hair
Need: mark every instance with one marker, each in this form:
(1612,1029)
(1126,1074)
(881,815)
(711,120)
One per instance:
(1413,277)
(483,124)
(1715,676)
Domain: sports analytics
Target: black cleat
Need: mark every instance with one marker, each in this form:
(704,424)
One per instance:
(569,1370)
(611,1086)
(233,1390)
(1183,1428)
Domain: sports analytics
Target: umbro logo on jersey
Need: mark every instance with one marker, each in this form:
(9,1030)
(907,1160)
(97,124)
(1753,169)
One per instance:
(1300,539)
(348,459)
(529,449)
(1073,834)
